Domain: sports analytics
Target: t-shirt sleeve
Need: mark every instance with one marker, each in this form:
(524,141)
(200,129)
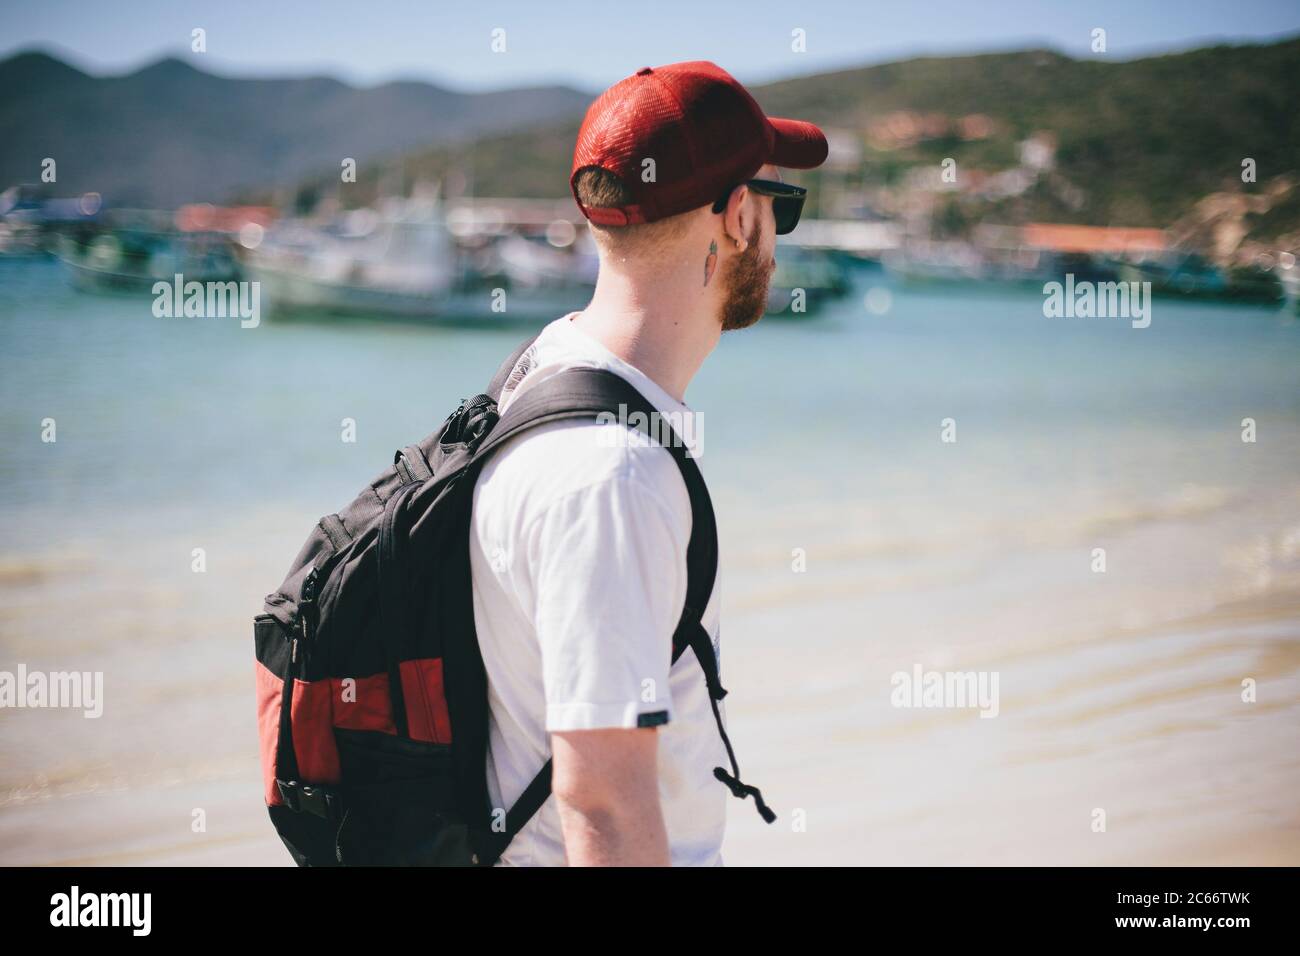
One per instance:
(610,581)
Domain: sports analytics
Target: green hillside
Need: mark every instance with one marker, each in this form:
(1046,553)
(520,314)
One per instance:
(1138,142)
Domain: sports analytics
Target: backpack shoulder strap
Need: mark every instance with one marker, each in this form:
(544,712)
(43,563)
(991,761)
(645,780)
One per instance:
(587,393)
(503,373)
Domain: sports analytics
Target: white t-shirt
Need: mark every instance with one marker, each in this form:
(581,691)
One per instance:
(578,556)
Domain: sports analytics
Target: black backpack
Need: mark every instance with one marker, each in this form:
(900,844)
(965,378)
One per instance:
(377,755)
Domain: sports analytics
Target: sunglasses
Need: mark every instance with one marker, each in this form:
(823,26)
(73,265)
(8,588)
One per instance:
(787,201)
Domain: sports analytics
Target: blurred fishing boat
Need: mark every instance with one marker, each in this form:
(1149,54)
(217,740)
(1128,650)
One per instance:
(1037,253)
(402,260)
(133,260)
(129,250)
(999,256)
(399,265)
(931,262)
(805,280)
(20,241)
(542,275)
(28,220)
(1190,276)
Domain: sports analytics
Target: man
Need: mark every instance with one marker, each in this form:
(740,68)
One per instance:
(578,544)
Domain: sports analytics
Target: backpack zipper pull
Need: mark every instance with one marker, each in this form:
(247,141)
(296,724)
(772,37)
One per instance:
(304,609)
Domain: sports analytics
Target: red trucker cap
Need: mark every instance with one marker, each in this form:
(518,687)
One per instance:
(703,131)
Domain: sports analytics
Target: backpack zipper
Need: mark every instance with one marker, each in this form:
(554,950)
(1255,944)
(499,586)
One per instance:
(305,607)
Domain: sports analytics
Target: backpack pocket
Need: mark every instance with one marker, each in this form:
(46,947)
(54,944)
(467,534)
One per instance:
(398,803)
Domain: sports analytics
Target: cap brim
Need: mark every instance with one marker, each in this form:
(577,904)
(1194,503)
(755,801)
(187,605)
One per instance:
(797,145)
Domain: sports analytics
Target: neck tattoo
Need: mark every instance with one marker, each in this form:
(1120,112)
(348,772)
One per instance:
(710,261)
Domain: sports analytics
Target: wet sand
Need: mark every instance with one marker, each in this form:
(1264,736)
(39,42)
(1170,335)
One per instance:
(1146,723)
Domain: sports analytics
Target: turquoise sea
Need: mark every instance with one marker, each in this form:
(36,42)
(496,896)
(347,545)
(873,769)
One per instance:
(823,445)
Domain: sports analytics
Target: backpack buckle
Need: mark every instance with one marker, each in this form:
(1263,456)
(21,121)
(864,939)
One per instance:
(315,799)
(323,802)
(288,793)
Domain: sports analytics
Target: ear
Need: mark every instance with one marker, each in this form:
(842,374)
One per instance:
(738,218)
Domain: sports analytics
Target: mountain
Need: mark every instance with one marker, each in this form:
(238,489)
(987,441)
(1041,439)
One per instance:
(1137,142)
(170,133)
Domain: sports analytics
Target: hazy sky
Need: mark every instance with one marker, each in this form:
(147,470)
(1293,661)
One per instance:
(592,44)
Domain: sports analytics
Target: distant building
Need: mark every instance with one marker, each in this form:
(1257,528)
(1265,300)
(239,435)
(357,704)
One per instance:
(1038,151)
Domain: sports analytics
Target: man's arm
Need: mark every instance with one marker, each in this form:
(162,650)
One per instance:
(608,581)
(606,786)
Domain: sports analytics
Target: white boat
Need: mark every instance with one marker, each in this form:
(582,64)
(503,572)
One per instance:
(400,260)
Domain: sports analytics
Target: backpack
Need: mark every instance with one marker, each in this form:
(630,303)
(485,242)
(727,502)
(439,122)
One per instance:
(372,705)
